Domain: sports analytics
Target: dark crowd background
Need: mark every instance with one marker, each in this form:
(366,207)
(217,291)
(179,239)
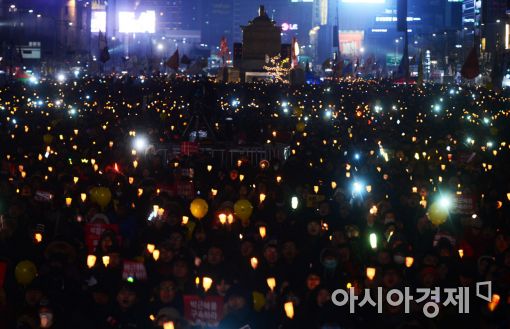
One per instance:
(333,130)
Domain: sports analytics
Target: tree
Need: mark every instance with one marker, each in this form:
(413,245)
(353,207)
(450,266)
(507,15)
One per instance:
(278,68)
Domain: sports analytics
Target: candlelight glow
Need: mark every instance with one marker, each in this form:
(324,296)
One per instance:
(150,248)
(168,325)
(206,283)
(254,262)
(91,261)
(106,260)
(289,309)
(223,218)
(409,261)
(262,231)
(271,283)
(370,273)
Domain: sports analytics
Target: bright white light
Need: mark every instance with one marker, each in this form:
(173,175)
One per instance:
(373,240)
(144,22)
(72,111)
(76,73)
(356,156)
(486,121)
(357,187)
(33,80)
(160,46)
(140,143)
(445,202)
(327,114)
(437,108)
(235,103)
(61,77)
(294,202)
(98,21)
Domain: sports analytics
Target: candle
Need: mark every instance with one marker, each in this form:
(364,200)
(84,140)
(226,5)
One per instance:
(254,262)
(185,220)
(370,273)
(271,282)
(223,218)
(168,325)
(206,283)
(262,231)
(38,237)
(150,248)
(409,261)
(494,302)
(91,261)
(289,309)
(106,260)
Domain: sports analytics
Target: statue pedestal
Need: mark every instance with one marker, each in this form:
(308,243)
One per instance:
(297,76)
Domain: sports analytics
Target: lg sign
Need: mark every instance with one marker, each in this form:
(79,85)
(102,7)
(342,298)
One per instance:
(287,27)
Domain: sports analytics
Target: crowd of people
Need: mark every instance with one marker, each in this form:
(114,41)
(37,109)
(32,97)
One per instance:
(369,185)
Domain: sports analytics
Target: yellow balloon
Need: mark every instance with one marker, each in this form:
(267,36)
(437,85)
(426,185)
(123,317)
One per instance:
(47,139)
(25,272)
(243,209)
(101,195)
(437,214)
(259,300)
(300,127)
(198,208)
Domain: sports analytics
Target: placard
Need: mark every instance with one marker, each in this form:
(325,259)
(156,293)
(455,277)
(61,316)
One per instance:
(203,311)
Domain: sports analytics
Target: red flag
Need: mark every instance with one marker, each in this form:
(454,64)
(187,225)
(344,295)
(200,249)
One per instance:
(294,52)
(173,61)
(224,53)
(471,67)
